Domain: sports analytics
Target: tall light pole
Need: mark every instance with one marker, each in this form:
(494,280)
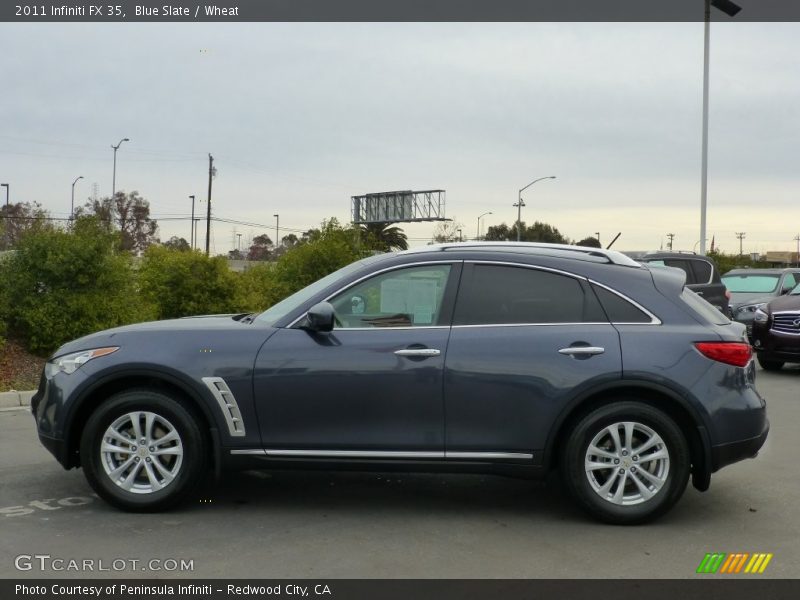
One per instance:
(8,214)
(239,235)
(72,204)
(479,224)
(277,228)
(520,204)
(191,233)
(114,176)
(730,9)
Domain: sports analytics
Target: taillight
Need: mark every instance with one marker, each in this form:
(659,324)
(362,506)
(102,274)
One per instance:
(737,354)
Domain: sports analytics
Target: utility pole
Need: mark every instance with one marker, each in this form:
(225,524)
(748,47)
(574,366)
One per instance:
(740,235)
(277,229)
(597,233)
(191,233)
(8,214)
(208,208)
(671,236)
(239,235)
(797,257)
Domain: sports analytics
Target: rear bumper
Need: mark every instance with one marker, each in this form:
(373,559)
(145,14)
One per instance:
(726,454)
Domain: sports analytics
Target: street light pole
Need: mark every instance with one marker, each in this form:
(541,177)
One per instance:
(730,9)
(479,224)
(520,204)
(72,204)
(114,176)
(191,233)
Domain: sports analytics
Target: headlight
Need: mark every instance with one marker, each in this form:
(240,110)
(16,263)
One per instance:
(69,363)
(760,316)
(751,308)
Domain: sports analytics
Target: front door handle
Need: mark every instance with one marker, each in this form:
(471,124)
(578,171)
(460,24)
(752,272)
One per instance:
(582,350)
(423,352)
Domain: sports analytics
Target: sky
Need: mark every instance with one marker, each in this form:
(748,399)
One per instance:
(301,116)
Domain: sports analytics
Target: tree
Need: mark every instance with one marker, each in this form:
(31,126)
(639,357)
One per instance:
(127,213)
(64,284)
(177,243)
(181,284)
(589,242)
(17,220)
(447,231)
(538,232)
(261,248)
(384,237)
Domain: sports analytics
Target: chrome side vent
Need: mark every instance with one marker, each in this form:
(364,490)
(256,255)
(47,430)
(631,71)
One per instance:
(227,403)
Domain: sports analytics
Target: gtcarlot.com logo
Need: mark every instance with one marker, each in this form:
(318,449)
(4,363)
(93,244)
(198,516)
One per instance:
(734,563)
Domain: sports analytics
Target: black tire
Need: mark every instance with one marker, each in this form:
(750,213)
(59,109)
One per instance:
(674,475)
(184,461)
(770,365)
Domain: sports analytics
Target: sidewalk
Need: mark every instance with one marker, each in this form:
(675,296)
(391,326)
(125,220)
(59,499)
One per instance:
(16,399)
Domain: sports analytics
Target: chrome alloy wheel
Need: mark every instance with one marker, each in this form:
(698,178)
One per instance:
(627,463)
(141,452)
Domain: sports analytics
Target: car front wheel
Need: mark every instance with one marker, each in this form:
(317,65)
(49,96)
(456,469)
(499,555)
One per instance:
(770,365)
(141,450)
(626,462)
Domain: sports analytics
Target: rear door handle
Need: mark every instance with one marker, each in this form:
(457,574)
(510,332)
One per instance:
(418,352)
(582,350)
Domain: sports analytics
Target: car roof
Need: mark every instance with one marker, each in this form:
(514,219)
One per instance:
(762,271)
(595,255)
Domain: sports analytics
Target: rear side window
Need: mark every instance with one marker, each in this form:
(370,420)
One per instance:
(618,309)
(702,271)
(496,294)
(702,308)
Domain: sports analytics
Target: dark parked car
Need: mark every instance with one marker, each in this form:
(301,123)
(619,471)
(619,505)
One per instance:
(776,331)
(702,275)
(751,289)
(496,358)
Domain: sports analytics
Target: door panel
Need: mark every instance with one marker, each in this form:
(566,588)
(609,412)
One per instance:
(348,390)
(505,386)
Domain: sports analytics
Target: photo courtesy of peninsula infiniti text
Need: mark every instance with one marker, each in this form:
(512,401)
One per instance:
(504,358)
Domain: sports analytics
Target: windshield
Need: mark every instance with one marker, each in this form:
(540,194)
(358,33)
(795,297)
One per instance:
(748,284)
(290,303)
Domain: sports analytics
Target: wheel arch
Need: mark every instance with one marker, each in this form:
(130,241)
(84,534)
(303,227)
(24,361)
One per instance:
(117,382)
(677,407)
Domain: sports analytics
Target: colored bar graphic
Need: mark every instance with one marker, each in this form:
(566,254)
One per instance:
(733,563)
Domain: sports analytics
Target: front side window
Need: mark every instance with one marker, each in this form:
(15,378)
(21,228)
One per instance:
(495,295)
(408,297)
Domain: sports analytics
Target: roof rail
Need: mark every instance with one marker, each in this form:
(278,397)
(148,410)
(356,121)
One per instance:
(611,256)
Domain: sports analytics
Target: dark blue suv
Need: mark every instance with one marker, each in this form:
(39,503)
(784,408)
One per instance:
(493,357)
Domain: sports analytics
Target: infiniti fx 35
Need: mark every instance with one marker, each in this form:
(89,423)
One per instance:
(505,358)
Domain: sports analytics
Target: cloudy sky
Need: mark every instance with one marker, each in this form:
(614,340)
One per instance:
(299,117)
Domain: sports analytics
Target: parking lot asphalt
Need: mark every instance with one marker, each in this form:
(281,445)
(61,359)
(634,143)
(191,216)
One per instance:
(340,525)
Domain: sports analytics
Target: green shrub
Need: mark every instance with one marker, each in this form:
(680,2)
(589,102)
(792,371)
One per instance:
(62,285)
(185,283)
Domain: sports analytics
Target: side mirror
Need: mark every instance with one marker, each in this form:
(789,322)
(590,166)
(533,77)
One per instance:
(320,317)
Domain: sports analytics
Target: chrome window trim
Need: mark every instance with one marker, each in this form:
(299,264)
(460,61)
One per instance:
(379,272)
(654,320)
(383,454)
(581,323)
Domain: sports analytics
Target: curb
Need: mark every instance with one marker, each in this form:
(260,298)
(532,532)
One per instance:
(16,399)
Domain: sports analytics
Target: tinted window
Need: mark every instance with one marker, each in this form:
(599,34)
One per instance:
(401,298)
(702,271)
(703,309)
(493,294)
(618,309)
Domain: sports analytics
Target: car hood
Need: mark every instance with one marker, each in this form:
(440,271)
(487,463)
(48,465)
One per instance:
(742,298)
(785,303)
(185,326)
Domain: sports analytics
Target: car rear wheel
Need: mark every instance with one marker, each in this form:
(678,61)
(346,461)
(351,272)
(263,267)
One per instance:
(626,462)
(770,365)
(141,450)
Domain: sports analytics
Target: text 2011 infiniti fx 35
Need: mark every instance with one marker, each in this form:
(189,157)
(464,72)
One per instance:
(498,358)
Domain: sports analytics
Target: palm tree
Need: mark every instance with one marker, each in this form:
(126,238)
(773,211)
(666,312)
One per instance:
(385,237)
